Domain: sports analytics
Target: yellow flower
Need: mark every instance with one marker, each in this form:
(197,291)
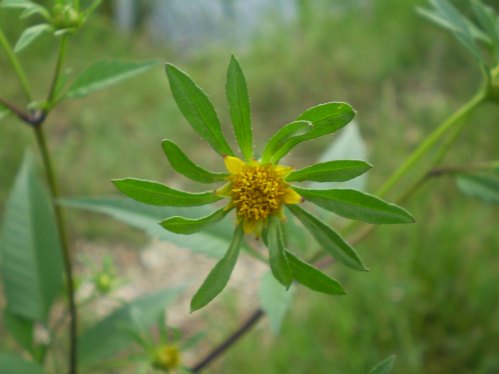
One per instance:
(166,358)
(257,191)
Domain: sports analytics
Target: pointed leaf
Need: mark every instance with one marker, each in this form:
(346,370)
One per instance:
(103,74)
(14,364)
(325,118)
(31,264)
(385,366)
(277,253)
(155,193)
(186,226)
(107,337)
(219,276)
(182,164)
(239,106)
(356,205)
(329,239)
(275,300)
(488,19)
(277,140)
(197,109)
(29,35)
(313,278)
(483,187)
(330,171)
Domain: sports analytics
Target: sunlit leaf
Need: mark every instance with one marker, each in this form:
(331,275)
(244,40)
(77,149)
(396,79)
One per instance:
(330,171)
(186,226)
(280,137)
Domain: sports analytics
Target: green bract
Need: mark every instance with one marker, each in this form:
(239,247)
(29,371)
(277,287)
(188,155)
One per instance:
(258,189)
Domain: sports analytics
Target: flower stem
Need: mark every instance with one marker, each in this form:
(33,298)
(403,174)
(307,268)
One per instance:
(57,72)
(17,66)
(430,141)
(54,193)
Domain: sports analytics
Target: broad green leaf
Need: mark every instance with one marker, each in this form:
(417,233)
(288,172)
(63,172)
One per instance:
(219,276)
(239,107)
(182,164)
(103,74)
(21,329)
(385,366)
(325,118)
(13,364)
(108,337)
(210,242)
(186,226)
(329,239)
(29,35)
(31,264)
(330,171)
(280,137)
(483,187)
(277,253)
(274,300)
(197,109)
(155,193)
(313,278)
(356,205)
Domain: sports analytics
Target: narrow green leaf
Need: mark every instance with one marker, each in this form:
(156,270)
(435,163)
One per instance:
(385,366)
(108,337)
(275,300)
(330,171)
(13,364)
(483,187)
(21,329)
(277,253)
(488,20)
(31,264)
(210,241)
(103,74)
(356,205)
(29,35)
(325,118)
(329,239)
(186,226)
(239,106)
(312,277)
(155,193)
(182,164)
(282,135)
(197,109)
(219,276)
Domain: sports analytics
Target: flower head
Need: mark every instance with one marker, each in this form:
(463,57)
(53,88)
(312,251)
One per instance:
(259,188)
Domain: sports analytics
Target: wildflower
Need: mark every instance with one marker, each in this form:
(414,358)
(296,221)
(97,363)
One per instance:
(166,358)
(259,188)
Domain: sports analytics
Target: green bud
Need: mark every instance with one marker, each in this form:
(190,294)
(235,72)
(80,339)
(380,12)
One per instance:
(166,358)
(104,282)
(65,17)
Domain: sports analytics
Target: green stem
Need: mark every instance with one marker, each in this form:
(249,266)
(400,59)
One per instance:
(17,66)
(430,141)
(57,72)
(54,192)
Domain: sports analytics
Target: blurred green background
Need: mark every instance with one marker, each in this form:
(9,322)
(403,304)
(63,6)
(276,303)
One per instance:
(431,296)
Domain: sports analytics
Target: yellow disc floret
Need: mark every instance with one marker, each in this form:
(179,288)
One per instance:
(257,191)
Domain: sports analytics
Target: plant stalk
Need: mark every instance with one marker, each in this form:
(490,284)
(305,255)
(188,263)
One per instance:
(57,73)
(70,290)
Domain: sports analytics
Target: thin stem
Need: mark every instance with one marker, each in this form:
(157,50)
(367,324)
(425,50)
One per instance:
(243,329)
(54,192)
(57,73)
(17,66)
(430,141)
(25,117)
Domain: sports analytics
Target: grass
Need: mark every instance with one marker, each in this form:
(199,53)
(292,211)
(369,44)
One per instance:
(430,297)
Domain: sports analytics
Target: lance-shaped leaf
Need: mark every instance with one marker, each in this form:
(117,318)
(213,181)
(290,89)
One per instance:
(484,187)
(488,20)
(29,35)
(312,277)
(30,250)
(275,300)
(187,226)
(329,239)
(239,106)
(330,171)
(385,366)
(155,193)
(280,137)
(197,109)
(357,205)
(219,275)
(182,164)
(103,74)
(277,253)
(325,118)
(29,7)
